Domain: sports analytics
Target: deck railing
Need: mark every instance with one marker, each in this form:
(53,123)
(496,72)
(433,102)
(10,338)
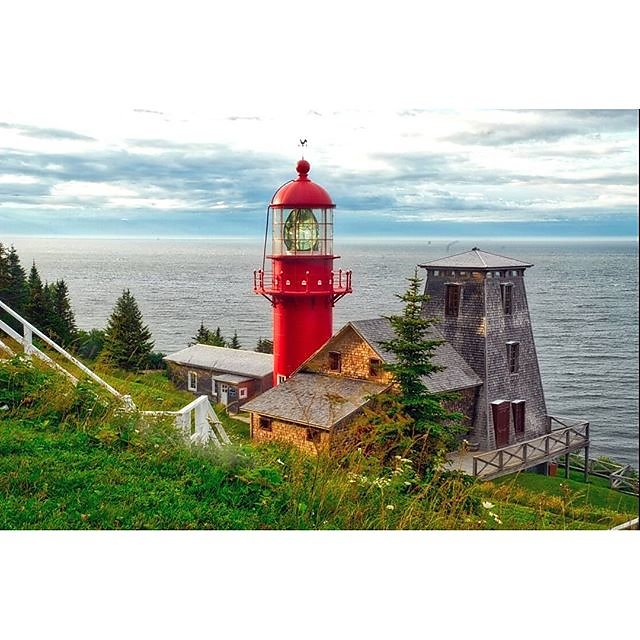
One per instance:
(523,455)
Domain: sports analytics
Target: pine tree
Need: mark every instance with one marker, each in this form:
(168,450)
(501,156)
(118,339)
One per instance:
(128,343)
(4,271)
(216,339)
(62,325)
(432,428)
(202,336)
(264,346)
(235,343)
(13,286)
(37,310)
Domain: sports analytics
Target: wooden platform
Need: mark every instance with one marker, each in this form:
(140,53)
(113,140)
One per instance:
(488,465)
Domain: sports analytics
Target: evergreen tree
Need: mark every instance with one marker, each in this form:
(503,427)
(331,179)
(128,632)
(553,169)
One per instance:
(13,285)
(202,336)
(4,271)
(128,343)
(431,429)
(62,324)
(89,344)
(216,339)
(235,343)
(264,346)
(37,310)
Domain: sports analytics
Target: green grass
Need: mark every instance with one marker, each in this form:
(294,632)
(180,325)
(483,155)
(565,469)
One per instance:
(70,458)
(556,502)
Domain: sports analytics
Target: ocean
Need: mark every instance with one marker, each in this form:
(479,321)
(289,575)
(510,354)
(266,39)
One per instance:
(583,299)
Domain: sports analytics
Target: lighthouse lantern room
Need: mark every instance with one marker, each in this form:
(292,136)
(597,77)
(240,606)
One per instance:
(302,285)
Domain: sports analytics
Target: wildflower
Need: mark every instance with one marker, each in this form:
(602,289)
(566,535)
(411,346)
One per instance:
(487,505)
(280,462)
(407,483)
(390,507)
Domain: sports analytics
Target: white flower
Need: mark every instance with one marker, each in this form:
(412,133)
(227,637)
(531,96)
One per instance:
(487,505)
(390,507)
(280,462)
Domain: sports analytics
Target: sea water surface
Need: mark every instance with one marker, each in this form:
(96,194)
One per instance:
(583,299)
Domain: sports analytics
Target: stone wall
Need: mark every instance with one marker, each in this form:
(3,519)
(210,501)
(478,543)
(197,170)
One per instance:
(355,356)
(289,432)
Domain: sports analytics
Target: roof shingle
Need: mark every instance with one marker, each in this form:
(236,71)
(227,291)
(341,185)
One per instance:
(457,374)
(476,259)
(238,361)
(314,399)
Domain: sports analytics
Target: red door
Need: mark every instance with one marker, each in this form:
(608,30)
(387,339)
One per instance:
(500,410)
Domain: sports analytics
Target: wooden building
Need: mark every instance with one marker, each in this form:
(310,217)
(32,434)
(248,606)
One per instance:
(336,382)
(229,376)
(480,301)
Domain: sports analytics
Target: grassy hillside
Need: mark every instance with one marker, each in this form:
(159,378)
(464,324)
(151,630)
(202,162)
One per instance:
(70,458)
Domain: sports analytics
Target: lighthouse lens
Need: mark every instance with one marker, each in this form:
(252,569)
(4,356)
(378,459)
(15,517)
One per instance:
(301,231)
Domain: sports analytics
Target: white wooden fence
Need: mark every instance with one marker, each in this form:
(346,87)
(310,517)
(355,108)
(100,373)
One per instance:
(197,420)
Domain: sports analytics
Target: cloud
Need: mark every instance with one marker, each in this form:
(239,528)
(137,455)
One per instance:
(46,133)
(545,126)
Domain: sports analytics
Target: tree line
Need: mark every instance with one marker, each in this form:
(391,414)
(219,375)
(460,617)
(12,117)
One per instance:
(126,342)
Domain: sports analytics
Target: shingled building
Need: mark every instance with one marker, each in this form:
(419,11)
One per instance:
(480,301)
(336,382)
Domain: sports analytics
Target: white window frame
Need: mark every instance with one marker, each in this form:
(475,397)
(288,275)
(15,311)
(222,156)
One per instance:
(281,378)
(190,386)
(242,392)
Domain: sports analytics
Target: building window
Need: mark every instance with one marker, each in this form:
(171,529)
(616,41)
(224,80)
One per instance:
(281,378)
(242,392)
(375,367)
(436,272)
(506,293)
(335,361)
(513,356)
(192,381)
(313,435)
(517,408)
(452,299)
(265,424)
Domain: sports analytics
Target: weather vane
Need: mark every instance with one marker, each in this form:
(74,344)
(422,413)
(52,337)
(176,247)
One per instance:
(303,144)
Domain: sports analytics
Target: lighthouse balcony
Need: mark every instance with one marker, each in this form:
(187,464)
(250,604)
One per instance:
(268,284)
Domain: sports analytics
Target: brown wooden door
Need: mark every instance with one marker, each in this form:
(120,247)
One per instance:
(500,411)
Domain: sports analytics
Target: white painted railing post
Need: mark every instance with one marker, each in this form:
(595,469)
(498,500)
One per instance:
(27,342)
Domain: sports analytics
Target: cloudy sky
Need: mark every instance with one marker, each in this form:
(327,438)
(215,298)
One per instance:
(169,120)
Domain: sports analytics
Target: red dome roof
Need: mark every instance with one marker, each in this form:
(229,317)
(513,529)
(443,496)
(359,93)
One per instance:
(301,192)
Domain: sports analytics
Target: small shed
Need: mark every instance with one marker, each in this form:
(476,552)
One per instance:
(228,376)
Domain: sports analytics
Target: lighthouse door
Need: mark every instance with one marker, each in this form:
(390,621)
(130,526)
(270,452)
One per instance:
(500,413)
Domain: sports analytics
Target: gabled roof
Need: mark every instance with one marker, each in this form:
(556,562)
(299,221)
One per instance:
(457,374)
(478,260)
(238,361)
(314,399)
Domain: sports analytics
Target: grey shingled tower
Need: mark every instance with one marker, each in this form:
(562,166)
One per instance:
(480,300)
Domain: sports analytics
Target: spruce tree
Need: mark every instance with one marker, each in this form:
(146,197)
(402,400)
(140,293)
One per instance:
(203,335)
(264,346)
(432,428)
(13,286)
(37,310)
(235,343)
(128,343)
(216,339)
(62,326)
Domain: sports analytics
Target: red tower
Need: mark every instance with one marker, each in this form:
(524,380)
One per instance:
(302,286)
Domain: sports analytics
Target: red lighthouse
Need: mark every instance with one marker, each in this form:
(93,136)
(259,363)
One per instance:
(302,286)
